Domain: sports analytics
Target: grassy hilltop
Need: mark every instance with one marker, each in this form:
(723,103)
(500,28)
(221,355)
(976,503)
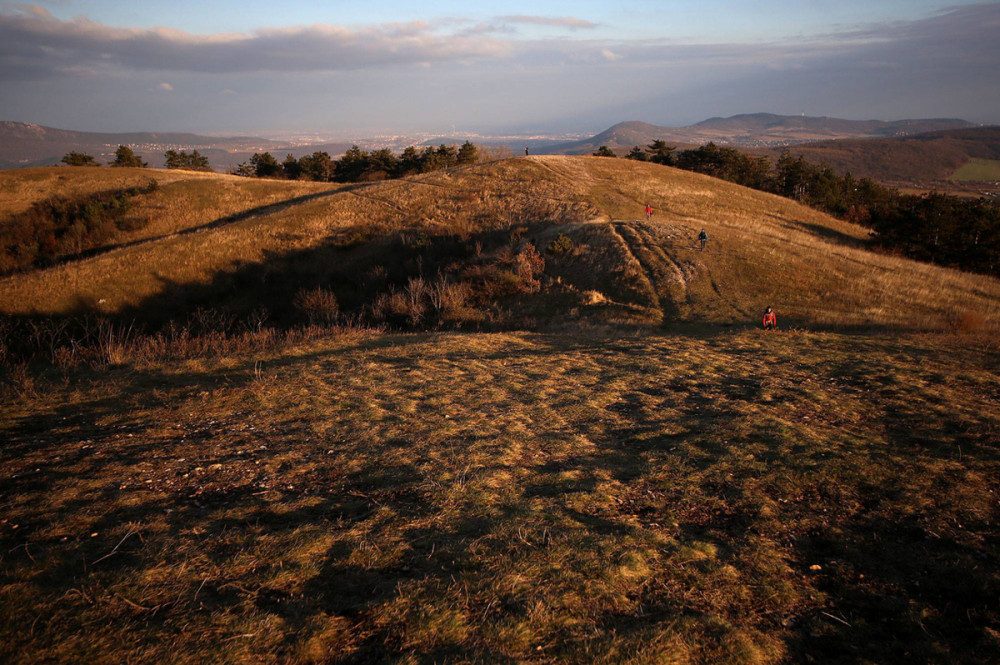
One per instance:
(492,416)
(224,242)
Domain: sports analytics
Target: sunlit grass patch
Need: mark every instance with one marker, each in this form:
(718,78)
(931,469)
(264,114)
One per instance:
(978,170)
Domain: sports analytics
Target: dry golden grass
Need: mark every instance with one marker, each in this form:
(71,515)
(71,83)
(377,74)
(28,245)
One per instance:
(763,250)
(595,497)
(766,250)
(693,494)
(186,199)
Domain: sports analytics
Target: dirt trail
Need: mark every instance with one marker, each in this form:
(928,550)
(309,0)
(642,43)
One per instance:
(575,171)
(666,277)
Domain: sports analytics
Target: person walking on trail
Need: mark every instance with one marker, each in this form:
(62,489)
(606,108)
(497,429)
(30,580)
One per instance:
(770,319)
(649,211)
(703,239)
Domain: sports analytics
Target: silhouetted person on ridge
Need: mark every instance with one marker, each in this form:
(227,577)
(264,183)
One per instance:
(770,319)
(525,151)
(703,239)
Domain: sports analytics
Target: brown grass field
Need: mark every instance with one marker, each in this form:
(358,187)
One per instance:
(613,465)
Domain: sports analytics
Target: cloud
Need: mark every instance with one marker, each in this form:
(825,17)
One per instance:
(515,68)
(166,87)
(34,44)
(32,41)
(552,21)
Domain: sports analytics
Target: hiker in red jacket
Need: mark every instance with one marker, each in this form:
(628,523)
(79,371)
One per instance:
(770,320)
(649,211)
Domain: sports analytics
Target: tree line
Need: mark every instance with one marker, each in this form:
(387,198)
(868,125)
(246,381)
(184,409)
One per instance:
(125,157)
(357,165)
(939,228)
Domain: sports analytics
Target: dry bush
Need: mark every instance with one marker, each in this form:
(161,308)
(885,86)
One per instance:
(415,298)
(18,379)
(318,305)
(116,345)
(593,298)
(528,265)
(399,306)
(447,298)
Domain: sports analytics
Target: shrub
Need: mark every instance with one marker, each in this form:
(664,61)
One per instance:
(448,298)
(416,293)
(318,305)
(560,245)
(528,264)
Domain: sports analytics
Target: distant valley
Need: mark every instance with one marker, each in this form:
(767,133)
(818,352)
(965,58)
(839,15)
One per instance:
(26,145)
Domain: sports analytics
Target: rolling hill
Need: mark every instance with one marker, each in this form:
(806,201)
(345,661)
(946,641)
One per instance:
(753,130)
(491,415)
(231,242)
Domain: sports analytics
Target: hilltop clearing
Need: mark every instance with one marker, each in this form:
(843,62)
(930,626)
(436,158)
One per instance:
(565,497)
(525,242)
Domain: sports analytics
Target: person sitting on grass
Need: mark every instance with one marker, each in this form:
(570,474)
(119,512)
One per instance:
(770,319)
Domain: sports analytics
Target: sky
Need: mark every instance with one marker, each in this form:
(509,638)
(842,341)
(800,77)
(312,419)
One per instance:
(360,69)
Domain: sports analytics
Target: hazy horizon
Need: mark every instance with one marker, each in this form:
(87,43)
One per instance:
(558,67)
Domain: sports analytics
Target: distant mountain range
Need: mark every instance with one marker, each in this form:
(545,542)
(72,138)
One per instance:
(757,130)
(23,144)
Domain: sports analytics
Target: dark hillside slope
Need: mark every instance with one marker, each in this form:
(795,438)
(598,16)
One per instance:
(921,159)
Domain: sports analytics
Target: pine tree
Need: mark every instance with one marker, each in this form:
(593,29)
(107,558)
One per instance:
(125,158)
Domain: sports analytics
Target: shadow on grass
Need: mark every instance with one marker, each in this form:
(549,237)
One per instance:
(821,231)
(270,209)
(678,447)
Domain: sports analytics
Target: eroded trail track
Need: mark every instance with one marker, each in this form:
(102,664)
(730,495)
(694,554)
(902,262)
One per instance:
(666,276)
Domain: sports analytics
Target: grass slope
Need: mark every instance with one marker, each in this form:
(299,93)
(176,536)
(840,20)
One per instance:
(715,497)
(978,170)
(238,238)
